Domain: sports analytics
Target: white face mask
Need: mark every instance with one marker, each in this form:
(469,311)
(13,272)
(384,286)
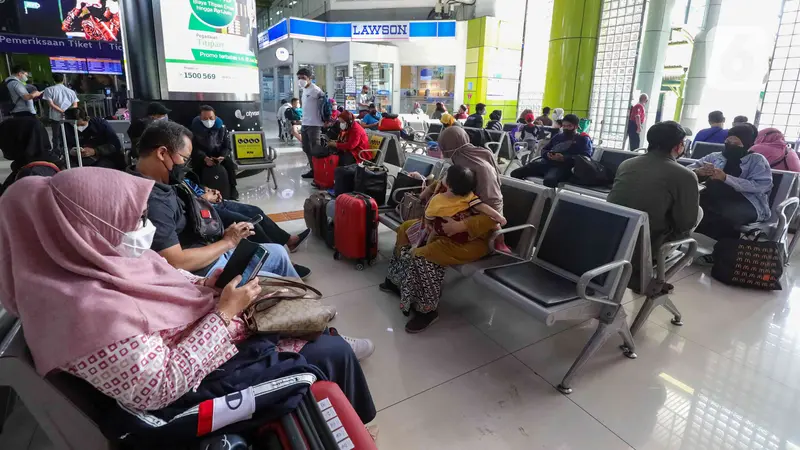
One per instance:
(82,128)
(302,83)
(162,118)
(24,79)
(209,123)
(343,125)
(134,243)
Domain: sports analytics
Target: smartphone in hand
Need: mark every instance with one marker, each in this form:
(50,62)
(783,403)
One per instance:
(256,219)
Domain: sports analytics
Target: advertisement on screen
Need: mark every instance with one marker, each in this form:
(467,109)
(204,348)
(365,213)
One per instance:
(209,46)
(93,20)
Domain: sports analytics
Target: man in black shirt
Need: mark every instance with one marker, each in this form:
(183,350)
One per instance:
(164,150)
(476,120)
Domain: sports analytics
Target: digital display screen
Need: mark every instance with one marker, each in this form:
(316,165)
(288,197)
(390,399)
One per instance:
(94,20)
(209,46)
(66,64)
(253,266)
(104,66)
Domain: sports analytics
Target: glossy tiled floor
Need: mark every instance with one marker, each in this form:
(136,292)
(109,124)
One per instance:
(483,376)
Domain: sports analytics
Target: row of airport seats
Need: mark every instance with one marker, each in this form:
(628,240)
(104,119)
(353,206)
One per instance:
(783,198)
(558,272)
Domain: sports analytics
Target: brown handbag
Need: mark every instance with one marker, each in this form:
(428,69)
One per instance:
(285,308)
(411,207)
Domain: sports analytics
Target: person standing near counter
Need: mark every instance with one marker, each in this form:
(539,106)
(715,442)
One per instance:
(312,119)
(364,99)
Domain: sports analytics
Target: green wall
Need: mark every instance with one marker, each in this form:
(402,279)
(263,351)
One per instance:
(570,63)
(493,48)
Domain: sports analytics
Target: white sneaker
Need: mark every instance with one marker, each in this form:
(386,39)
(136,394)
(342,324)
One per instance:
(363,348)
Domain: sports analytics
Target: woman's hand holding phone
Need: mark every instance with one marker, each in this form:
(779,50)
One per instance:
(234,299)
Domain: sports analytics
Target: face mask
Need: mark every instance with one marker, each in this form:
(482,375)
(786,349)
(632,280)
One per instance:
(82,128)
(162,118)
(568,132)
(734,151)
(209,123)
(343,125)
(177,173)
(302,84)
(134,243)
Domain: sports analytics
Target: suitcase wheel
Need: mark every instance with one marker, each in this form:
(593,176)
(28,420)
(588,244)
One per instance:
(372,261)
(337,256)
(360,266)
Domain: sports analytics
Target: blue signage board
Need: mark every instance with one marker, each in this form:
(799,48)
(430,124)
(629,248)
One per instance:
(377,31)
(15,43)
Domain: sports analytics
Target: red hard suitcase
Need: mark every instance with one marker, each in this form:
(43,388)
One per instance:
(356,228)
(347,428)
(324,169)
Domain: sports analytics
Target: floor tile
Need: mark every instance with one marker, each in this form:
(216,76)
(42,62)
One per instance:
(676,395)
(502,405)
(756,328)
(406,364)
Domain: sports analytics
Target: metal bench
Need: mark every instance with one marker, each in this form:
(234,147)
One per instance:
(57,402)
(783,202)
(425,166)
(703,149)
(385,147)
(575,275)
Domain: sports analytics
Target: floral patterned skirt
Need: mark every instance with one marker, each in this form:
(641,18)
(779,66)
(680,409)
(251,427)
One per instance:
(420,281)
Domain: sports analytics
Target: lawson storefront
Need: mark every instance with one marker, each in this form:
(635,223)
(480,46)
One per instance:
(401,62)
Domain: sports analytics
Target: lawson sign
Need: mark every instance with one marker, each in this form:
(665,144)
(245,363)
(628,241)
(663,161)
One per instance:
(379,31)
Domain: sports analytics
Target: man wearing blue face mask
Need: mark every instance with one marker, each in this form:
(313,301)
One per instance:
(155,111)
(212,146)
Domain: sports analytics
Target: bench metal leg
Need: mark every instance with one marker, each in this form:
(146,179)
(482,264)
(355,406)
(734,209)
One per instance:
(650,303)
(605,328)
(271,174)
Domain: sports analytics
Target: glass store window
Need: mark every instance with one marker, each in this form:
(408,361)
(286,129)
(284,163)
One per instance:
(285,83)
(426,85)
(379,78)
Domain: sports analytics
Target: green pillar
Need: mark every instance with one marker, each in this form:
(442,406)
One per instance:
(570,62)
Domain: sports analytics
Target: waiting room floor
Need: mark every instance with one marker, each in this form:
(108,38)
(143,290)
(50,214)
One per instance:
(483,377)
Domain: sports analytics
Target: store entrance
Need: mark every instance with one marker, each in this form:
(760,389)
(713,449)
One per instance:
(379,78)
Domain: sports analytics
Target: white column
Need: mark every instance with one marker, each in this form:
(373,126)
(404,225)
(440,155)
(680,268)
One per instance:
(653,54)
(698,68)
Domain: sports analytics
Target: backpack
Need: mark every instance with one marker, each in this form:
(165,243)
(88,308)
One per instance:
(588,172)
(5,94)
(325,109)
(201,217)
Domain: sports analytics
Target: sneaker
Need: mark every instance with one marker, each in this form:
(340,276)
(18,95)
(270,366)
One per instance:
(309,174)
(388,286)
(705,260)
(300,238)
(421,322)
(302,271)
(363,348)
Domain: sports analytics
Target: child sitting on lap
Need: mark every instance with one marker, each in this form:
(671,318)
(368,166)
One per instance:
(456,202)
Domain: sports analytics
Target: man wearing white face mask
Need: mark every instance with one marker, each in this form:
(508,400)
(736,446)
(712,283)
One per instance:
(98,142)
(312,97)
(212,146)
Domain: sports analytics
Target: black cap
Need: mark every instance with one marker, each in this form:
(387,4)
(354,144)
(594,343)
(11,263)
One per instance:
(157,109)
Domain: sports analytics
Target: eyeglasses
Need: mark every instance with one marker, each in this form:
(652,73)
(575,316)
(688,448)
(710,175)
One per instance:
(184,159)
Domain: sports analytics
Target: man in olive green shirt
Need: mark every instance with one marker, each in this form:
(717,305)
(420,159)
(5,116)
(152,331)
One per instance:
(660,186)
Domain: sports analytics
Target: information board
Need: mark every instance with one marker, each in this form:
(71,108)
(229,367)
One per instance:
(248,145)
(209,46)
(66,64)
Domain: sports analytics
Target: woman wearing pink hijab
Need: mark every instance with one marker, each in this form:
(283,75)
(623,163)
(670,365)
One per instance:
(771,144)
(95,301)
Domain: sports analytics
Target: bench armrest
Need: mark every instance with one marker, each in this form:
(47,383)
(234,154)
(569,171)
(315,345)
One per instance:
(783,220)
(372,153)
(491,145)
(662,274)
(583,282)
(502,231)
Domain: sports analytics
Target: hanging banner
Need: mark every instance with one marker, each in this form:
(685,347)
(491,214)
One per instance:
(209,46)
